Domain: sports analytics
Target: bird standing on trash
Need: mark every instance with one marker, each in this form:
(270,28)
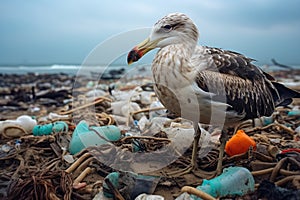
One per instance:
(205,84)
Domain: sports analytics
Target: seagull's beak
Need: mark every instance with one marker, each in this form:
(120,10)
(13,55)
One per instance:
(140,50)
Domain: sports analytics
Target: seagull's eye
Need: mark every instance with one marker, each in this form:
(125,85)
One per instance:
(167,27)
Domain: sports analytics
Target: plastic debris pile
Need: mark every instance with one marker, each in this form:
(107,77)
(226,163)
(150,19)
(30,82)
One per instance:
(115,140)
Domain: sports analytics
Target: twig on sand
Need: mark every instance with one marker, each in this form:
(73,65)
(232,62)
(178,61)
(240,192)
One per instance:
(101,99)
(198,193)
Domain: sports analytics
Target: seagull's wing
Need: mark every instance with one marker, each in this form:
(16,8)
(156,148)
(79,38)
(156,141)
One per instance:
(231,76)
(229,62)
(244,97)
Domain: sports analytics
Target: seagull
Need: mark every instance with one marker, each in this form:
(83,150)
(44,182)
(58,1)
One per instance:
(207,85)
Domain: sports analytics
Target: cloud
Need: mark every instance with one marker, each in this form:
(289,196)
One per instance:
(67,30)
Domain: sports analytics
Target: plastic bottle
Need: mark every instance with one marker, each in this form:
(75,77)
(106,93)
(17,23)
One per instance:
(239,143)
(85,136)
(233,181)
(48,129)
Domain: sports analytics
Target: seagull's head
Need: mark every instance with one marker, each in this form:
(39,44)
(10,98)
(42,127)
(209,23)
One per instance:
(174,28)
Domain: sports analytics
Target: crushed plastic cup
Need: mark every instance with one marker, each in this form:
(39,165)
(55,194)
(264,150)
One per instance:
(239,143)
(85,136)
(234,181)
(48,129)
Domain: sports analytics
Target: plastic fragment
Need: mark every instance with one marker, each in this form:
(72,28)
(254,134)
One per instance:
(233,181)
(239,143)
(85,136)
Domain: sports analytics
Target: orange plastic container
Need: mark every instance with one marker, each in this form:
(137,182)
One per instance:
(239,143)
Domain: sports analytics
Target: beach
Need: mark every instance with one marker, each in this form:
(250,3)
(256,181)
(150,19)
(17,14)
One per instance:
(44,164)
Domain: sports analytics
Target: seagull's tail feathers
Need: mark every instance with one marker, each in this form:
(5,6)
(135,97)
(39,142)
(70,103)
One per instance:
(286,95)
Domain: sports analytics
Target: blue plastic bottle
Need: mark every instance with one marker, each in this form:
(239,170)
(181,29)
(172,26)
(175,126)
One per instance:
(234,181)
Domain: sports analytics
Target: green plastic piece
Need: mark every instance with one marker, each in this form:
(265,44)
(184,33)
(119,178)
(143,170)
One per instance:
(114,179)
(234,181)
(85,136)
(48,129)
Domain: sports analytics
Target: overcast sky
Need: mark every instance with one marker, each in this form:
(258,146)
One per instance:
(35,32)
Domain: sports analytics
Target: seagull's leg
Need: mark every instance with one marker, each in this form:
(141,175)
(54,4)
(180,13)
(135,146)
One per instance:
(195,147)
(193,165)
(223,140)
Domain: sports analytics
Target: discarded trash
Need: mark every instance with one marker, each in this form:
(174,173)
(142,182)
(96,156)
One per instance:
(130,182)
(86,136)
(47,129)
(294,113)
(233,181)
(100,196)
(6,148)
(270,191)
(150,134)
(297,130)
(149,197)
(18,144)
(239,143)
(69,158)
(114,180)
(267,120)
(24,122)
(54,116)
(156,113)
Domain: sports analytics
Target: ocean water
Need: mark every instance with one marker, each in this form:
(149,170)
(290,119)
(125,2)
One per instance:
(53,69)
(93,70)
(89,72)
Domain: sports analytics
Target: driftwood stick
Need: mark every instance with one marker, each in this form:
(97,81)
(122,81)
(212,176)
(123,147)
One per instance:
(145,137)
(101,99)
(198,193)
(77,163)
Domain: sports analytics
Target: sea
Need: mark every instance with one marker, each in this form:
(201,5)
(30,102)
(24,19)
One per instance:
(105,71)
(96,70)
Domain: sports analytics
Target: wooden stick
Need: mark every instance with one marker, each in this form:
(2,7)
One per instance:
(146,137)
(147,110)
(198,193)
(77,162)
(286,179)
(101,99)
(116,193)
(83,165)
(262,172)
(85,172)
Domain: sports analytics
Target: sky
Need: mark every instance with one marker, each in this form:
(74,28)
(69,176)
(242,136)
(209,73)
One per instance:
(65,32)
